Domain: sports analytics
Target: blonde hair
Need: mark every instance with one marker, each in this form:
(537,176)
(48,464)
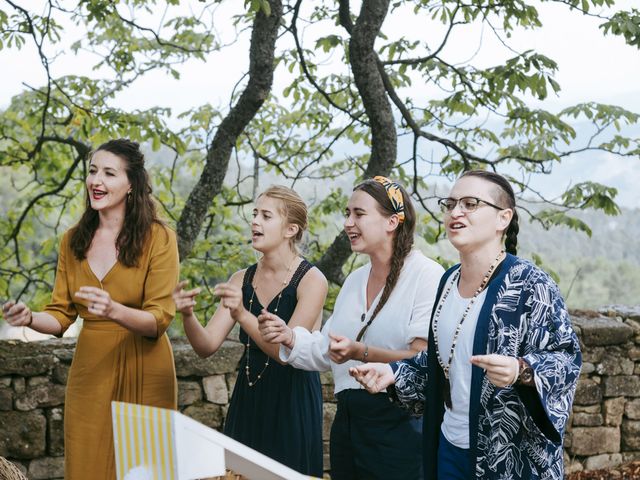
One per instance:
(292,208)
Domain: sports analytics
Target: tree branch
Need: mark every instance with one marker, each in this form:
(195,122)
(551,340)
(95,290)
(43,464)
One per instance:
(384,139)
(261,68)
(305,68)
(82,151)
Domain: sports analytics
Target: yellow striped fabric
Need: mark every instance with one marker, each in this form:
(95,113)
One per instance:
(143,441)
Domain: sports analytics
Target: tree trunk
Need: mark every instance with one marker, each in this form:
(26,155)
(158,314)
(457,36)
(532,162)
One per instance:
(261,68)
(384,139)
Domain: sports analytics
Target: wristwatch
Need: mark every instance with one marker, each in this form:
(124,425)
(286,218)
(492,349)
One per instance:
(525,373)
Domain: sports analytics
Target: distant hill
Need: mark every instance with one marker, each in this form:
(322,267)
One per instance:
(615,238)
(604,268)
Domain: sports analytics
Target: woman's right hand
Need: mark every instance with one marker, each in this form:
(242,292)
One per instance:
(375,377)
(274,330)
(185,300)
(17,314)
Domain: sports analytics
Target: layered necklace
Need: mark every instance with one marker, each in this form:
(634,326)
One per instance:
(436,319)
(254,287)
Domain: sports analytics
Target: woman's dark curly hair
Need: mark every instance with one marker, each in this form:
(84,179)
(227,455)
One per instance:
(140,212)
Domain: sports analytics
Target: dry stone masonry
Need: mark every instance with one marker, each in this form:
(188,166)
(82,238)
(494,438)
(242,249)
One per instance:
(604,431)
(605,425)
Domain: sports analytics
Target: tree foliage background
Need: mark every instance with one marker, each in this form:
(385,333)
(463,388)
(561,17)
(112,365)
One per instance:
(347,111)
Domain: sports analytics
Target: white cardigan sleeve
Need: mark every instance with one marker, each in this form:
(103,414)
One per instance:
(310,351)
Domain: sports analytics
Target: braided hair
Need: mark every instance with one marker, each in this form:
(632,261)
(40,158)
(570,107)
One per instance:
(402,238)
(506,198)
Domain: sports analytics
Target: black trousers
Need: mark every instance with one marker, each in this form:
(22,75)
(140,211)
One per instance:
(371,438)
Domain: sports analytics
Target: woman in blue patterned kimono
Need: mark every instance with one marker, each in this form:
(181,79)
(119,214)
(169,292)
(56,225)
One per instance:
(503,360)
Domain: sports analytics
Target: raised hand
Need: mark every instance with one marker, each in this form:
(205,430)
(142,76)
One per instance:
(375,377)
(185,300)
(17,314)
(501,370)
(274,330)
(98,301)
(342,349)
(231,297)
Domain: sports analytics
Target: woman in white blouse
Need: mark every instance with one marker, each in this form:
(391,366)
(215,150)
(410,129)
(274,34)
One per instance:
(381,315)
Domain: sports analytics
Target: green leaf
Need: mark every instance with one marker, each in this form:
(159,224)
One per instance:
(537,259)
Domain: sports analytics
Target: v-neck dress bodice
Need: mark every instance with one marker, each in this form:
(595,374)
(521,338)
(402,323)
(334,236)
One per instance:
(280,413)
(111,362)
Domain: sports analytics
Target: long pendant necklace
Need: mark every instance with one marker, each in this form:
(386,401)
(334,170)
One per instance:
(436,318)
(254,287)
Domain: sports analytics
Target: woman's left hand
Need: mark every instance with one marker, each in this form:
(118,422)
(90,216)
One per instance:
(501,370)
(98,301)
(231,297)
(274,330)
(341,348)
(375,377)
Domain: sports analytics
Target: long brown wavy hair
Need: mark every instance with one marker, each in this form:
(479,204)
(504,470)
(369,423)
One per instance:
(140,212)
(402,238)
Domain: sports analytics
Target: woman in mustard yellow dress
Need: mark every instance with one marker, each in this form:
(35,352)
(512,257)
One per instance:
(116,269)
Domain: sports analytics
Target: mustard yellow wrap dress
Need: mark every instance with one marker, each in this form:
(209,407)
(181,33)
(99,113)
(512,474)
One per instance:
(111,362)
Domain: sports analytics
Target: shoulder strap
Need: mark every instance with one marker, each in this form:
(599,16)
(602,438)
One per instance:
(300,272)
(248,275)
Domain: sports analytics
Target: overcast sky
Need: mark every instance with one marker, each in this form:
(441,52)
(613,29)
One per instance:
(591,68)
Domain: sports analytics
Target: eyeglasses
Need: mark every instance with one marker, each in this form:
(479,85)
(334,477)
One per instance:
(467,204)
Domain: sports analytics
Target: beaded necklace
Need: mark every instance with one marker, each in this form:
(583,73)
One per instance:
(436,318)
(254,287)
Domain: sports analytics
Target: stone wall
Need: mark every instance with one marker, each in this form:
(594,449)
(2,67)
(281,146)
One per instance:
(605,426)
(32,382)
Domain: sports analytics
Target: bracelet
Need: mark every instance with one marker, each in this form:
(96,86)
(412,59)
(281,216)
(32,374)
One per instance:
(525,373)
(30,320)
(366,353)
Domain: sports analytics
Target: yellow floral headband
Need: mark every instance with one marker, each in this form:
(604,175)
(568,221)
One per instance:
(395,195)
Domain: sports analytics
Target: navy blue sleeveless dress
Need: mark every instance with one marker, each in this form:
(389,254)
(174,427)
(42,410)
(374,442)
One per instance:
(280,413)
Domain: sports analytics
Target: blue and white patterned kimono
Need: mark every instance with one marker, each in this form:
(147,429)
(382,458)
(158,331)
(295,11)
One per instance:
(515,432)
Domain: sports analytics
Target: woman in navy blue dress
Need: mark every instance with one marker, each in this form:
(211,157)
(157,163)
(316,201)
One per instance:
(275,409)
